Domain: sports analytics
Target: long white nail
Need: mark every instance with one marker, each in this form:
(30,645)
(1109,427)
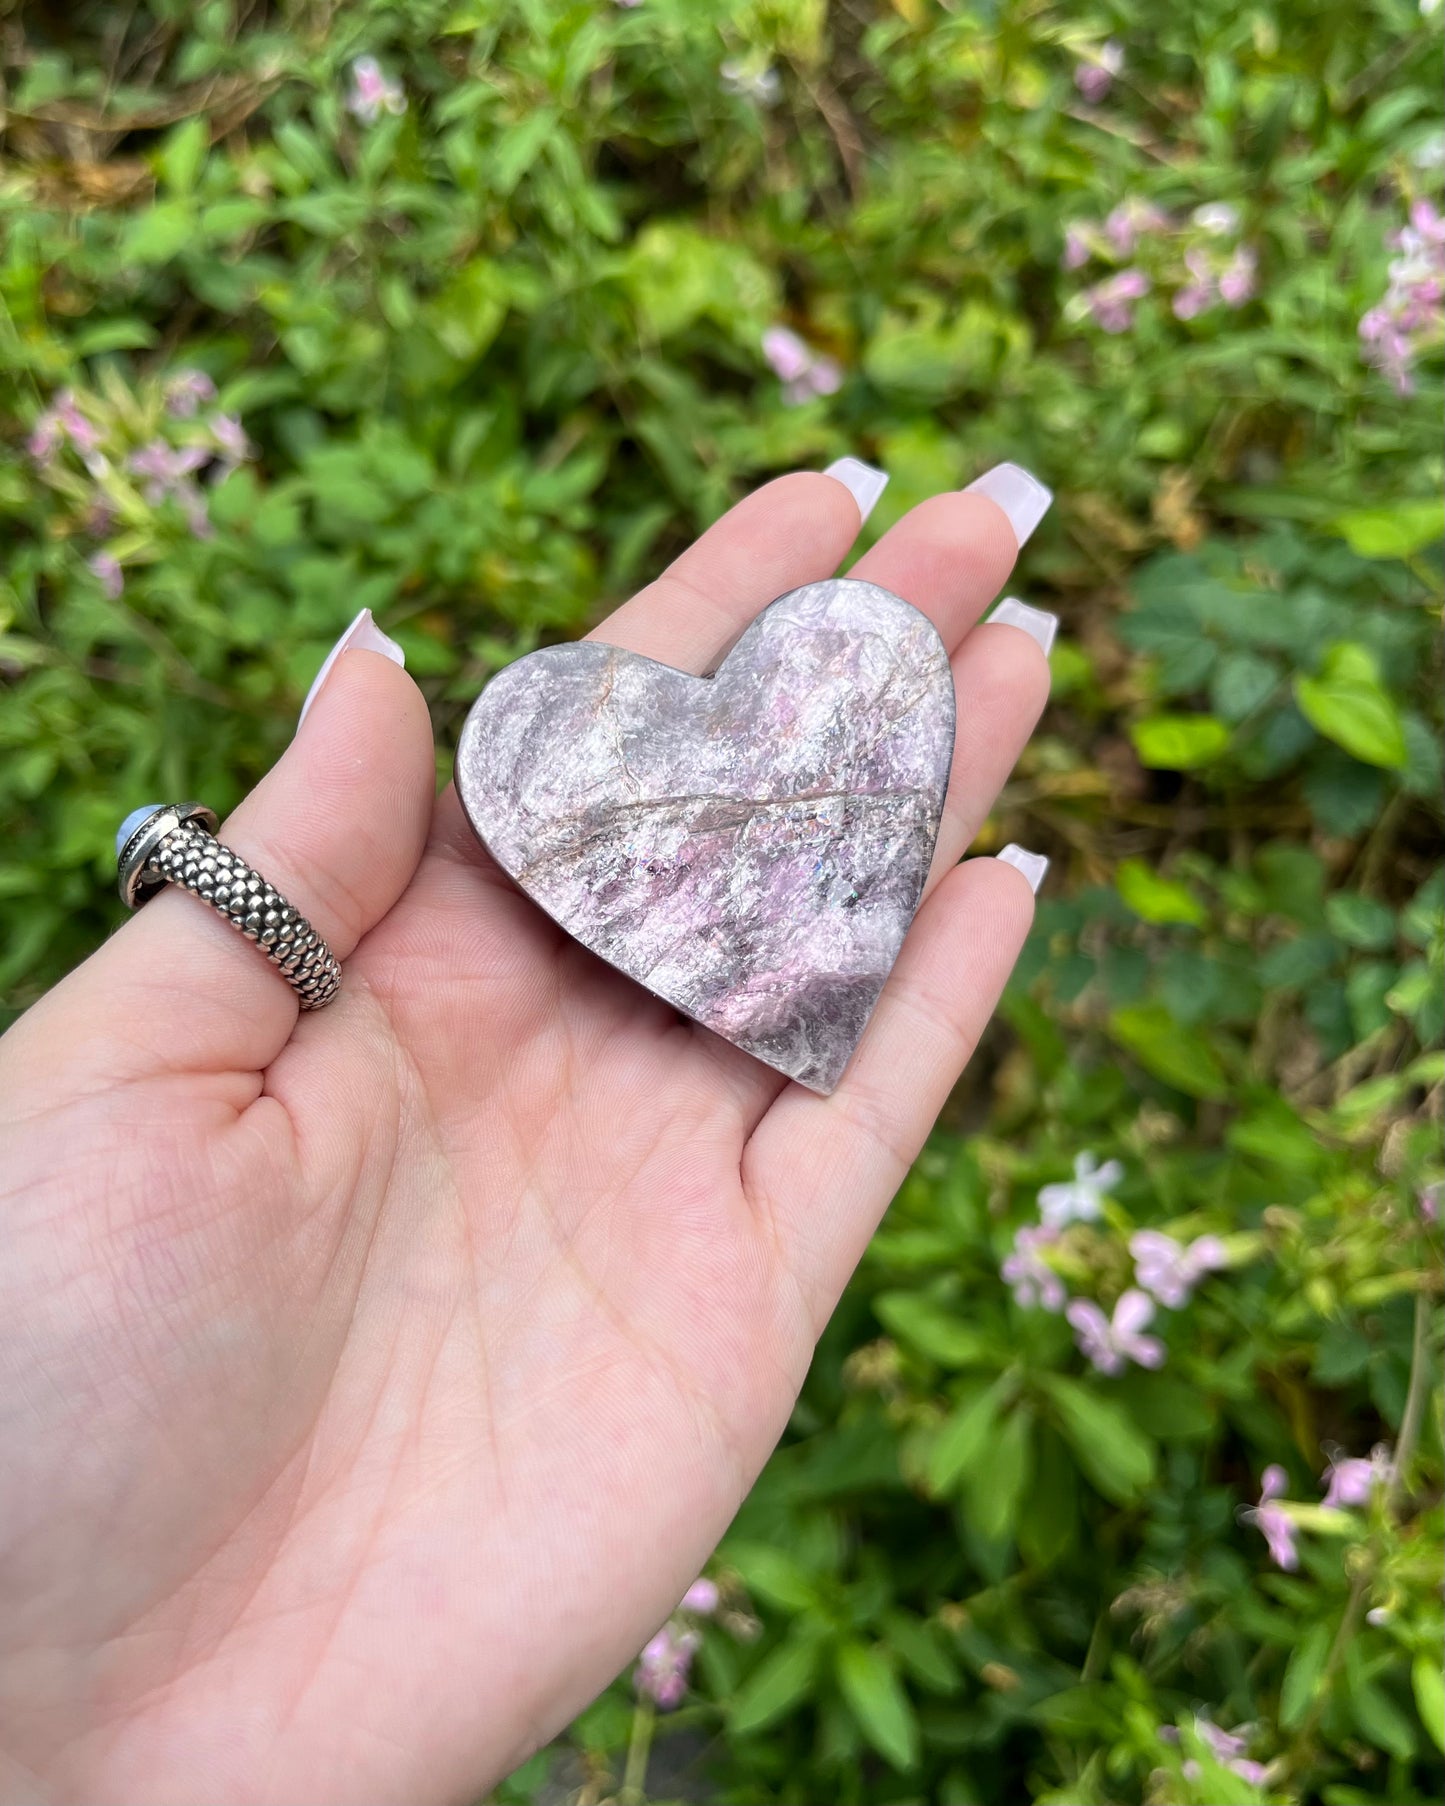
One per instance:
(1023,498)
(362,635)
(1037,623)
(862,481)
(1032,865)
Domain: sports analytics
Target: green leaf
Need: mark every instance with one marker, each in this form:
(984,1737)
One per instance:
(515,149)
(113,335)
(156,235)
(1397,532)
(1349,704)
(1179,742)
(1345,796)
(1429,1685)
(181,156)
(1157,899)
(780,1681)
(1242,683)
(962,1439)
(676,274)
(993,1486)
(1113,1454)
(1362,922)
(1302,1676)
(925,356)
(931,1328)
(468,313)
(773,1575)
(883,1711)
(922,1651)
(1380,1720)
(1176,1054)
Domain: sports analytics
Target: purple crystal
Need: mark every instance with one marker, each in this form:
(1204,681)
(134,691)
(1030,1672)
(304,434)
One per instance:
(750,846)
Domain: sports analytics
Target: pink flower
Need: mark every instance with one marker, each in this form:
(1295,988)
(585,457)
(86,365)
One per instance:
(185,392)
(1428,221)
(64,424)
(1032,1279)
(107,572)
(1095,77)
(1227,1747)
(1111,301)
(167,468)
(1130,221)
(1190,300)
(804,372)
(826,377)
(230,439)
(664,1665)
(1431,1197)
(1272,1521)
(1169,1269)
(786,352)
(1237,278)
(46,437)
(1109,1344)
(1351,1480)
(1076,246)
(168,471)
(1082,1199)
(1411,313)
(701,1597)
(373,92)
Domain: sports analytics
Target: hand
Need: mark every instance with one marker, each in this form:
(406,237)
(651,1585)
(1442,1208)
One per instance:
(373,1382)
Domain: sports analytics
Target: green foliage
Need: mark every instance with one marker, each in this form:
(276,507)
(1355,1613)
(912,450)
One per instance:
(497,356)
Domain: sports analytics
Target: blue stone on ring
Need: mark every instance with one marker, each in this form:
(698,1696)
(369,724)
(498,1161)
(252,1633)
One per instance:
(131,823)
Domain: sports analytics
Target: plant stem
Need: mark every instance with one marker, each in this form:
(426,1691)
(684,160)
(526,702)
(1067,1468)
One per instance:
(639,1747)
(1414,1412)
(1349,1619)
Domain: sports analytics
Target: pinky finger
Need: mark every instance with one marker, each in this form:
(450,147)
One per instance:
(822,1170)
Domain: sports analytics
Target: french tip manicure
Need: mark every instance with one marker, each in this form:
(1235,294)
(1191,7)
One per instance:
(363,635)
(1023,498)
(1032,865)
(1037,623)
(863,482)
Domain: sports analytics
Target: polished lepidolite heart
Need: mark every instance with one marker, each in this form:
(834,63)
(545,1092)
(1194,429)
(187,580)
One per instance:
(750,846)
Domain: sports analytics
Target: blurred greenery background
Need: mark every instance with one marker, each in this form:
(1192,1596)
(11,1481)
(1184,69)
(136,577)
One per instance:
(473,312)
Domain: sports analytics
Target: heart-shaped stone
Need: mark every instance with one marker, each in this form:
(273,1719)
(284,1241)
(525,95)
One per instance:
(750,846)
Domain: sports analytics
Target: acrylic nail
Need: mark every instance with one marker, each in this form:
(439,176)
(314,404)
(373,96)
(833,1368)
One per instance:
(363,635)
(1032,865)
(862,481)
(1037,623)
(1023,498)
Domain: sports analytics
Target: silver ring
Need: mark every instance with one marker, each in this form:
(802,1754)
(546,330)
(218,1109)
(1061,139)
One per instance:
(175,843)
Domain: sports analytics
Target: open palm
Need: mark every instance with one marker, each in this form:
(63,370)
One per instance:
(372,1383)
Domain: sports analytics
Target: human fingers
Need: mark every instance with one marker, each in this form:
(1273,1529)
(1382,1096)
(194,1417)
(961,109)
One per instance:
(337,826)
(821,1170)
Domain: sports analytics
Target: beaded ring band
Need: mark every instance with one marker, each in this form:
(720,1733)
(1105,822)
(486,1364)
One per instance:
(175,843)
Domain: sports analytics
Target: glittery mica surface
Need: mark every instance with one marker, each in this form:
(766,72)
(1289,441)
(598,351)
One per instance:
(750,846)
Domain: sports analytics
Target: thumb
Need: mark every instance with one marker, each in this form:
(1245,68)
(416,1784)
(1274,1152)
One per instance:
(337,826)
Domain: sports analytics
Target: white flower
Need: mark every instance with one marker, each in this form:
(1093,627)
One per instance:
(756,82)
(1217,218)
(1082,1198)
